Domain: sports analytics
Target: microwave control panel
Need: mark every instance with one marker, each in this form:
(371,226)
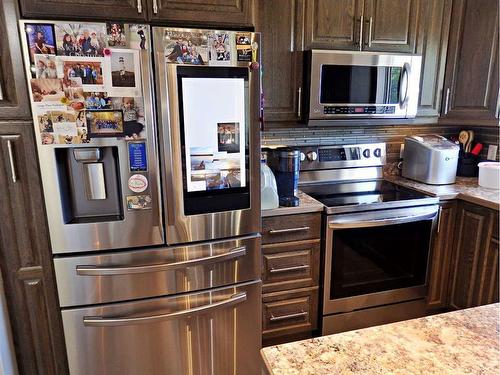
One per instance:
(350,110)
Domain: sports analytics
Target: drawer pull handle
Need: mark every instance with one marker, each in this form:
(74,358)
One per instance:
(288,230)
(288,316)
(289,269)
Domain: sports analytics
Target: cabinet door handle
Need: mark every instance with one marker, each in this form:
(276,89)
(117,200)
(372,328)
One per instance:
(139,6)
(299,103)
(370,27)
(447,101)
(288,230)
(1,90)
(360,37)
(439,219)
(155,6)
(289,269)
(288,316)
(11,161)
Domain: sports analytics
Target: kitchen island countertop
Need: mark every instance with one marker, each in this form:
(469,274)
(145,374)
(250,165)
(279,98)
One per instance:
(465,188)
(465,341)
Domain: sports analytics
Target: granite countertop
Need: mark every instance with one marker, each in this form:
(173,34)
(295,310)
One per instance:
(307,204)
(465,188)
(460,342)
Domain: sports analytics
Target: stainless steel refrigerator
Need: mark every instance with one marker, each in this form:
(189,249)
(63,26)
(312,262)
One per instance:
(155,233)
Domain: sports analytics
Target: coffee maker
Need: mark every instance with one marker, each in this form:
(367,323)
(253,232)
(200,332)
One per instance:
(285,163)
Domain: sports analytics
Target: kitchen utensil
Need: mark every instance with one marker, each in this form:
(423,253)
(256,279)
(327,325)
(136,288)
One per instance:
(469,142)
(463,138)
(489,175)
(477,149)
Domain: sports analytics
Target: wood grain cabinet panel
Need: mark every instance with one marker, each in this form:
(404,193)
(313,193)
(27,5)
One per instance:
(25,260)
(391,25)
(333,24)
(441,256)
(85,9)
(14,102)
(471,88)
(203,12)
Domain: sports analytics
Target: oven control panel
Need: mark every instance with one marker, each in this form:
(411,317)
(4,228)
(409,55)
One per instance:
(342,156)
(350,110)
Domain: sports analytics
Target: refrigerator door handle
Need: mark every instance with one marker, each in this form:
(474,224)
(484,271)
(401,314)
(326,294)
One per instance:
(99,321)
(236,252)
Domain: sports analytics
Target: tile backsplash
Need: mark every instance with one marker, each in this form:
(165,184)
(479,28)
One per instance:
(392,135)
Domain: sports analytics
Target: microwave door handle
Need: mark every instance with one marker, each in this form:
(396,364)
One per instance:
(99,321)
(339,224)
(403,86)
(237,252)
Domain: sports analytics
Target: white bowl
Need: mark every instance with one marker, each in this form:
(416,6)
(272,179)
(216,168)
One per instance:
(489,175)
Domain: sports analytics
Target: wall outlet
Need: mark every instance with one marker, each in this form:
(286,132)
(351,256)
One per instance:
(492,152)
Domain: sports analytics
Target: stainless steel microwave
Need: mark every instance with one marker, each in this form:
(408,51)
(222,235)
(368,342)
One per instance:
(349,84)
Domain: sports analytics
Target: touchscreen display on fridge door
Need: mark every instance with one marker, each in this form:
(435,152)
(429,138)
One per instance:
(214,138)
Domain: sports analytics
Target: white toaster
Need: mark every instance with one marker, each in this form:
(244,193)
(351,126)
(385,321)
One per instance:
(431,159)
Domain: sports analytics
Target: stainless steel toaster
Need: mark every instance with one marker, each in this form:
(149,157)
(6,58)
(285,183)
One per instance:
(431,159)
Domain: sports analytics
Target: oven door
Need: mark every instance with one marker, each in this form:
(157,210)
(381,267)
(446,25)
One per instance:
(362,84)
(376,258)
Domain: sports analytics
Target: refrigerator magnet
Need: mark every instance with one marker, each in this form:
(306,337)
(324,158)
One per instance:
(138,183)
(185,47)
(138,202)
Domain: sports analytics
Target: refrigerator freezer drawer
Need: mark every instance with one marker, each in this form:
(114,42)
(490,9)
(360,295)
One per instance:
(144,273)
(210,332)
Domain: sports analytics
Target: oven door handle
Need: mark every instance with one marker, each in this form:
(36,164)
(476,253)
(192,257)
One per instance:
(404,84)
(161,267)
(99,321)
(341,223)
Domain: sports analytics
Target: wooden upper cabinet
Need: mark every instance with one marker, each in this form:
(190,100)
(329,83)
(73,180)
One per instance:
(390,25)
(471,82)
(85,9)
(14,102)
(206,12)
(333,24)
(432,43)
(280,22)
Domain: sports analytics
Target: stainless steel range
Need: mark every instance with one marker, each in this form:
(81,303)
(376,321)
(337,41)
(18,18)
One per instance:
(376,237)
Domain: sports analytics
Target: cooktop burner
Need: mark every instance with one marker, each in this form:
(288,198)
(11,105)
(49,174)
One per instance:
(365,195)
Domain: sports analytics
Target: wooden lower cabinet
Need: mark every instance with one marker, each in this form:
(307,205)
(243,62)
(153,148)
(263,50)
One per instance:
(441,256)
(25,257)
(475,259)
(290,277)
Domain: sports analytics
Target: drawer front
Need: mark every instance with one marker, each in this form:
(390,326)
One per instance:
(144,273)
(290,228)
(290,312)
(288,266)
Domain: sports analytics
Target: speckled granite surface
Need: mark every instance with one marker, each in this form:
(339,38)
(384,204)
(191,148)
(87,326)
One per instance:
(460,342)
(465,188)
(307,204)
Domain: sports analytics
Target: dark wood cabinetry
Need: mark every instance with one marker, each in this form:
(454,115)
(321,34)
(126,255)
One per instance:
(26,262)
(441,255)
(290,276)
(13,92)
(471,88)
(475,261)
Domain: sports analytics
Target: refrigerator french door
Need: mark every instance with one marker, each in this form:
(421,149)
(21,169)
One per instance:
(208,95)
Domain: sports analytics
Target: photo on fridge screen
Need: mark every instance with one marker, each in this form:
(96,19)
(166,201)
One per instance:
(90,72)
(47,90)
(41,39)
(123,69)
(78,39)
(116,34)
(185,47)
(47,66)
(104,123)
(228,137)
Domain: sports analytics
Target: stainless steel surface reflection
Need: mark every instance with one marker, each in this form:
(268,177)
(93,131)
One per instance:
(198,333)
(143,273)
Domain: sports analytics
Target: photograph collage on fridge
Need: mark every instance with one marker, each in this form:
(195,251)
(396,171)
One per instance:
(147,139)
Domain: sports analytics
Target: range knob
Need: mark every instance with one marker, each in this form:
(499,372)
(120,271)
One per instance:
(377,152)
(312,156)
(366,153)
(302,156)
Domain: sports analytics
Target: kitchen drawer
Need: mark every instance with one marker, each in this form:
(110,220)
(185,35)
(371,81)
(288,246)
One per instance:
(290,265)
(290,228)
(285,313)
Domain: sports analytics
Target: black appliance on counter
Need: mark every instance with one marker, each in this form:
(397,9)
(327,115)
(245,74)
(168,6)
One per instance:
(285,164)
(376,237)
